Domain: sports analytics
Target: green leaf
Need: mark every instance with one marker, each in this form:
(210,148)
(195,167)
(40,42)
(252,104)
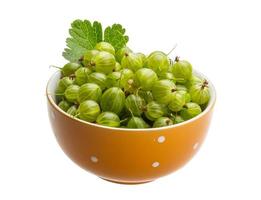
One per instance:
(115,36)
(84,36)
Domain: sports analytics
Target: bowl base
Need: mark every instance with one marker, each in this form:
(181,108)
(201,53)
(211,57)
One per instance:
(126,183)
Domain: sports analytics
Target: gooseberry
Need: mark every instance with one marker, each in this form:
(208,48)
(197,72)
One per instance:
(120,53)
(98,78)
(113,79)
(162,121)
(103,62)
(89,91)
(71,93)
(108,119)
(146,95)
(137,122)
(200,93)
(163,90)
(132,61)
(158,62)
(177,102)
(190,110)
(145,78)
(87,57)
(88,110)
(64,105)
(72,110)
(154,110)
(70,68)
(63,84)
(105,46)
(117,67)
(135,104)
(126,75)
(182,70)
(81,75)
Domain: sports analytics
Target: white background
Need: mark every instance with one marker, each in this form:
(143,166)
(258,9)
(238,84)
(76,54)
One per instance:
(222,39)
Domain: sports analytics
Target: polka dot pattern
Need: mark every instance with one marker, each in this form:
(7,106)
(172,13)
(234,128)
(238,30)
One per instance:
(155,164)
(161,139)
(94,159)
(195,146)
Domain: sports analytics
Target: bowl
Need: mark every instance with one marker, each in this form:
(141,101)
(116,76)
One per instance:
(129,156)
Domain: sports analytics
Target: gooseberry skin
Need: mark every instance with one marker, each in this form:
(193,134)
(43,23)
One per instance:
(182,70)
(87,57)
(113,79)
(72,110)
(163,90)
(145,78)
(135,104)
(88,110)
(126,75)
(154,110)
(120,53)
(98,78)
(89,91)
(103,62)
(158,62)
(191,110)
(70,68)
(81,75)
(178,119)
(143,57)
(113,99)
(108,119)
(200,93)
(117,67)
(132,61)
(192,81)
(71,93)
(167,75)
(177,102)
(162,121)
(105,46)
(181,87)
(64,105)
(63,84)
(146,95)
(137,122)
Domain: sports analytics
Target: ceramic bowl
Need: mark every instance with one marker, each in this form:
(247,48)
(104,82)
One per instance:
(128,155)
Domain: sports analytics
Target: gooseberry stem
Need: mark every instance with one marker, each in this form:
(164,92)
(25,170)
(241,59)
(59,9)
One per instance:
(177,58)
(124,120)
(174,47)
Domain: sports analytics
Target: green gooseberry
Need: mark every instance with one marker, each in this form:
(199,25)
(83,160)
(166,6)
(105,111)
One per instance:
(72,110)
(88,56)
(105,46)
(71,93)
(113,79)
(163,90)
(121,52)
(137,122)
(108,119)
(62,85)
(70,68)
(177,119)
(190,110)
(135,104)
(81,75)
(103,62)
(98,78)
(145,78)
(162,121)
(187,95)
(181,87)
(126,75)
(146,95)
(132,61)
(143,57)
(167,75)
(154,110)
(177,102)
(113,99)
(182,70)
(117,67)
(192,81)
(89,91)
(158,62)
(64,105)
(200,93)
(88,110)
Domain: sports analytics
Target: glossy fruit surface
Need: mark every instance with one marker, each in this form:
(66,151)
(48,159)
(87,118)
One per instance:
(182,70)
(191,110)
(162,121)
(163,90)
(64,105)
(158,62)
(135,104)
(81,75)
(103,62)
(70,68)
(99,78)
(137,122)
(132,61)
(108,119)
(105,46)
(145,78)
(88,56)
(88,110)
(71,93)
(89,91)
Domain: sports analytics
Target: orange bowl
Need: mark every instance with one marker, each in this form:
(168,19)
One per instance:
(128,155)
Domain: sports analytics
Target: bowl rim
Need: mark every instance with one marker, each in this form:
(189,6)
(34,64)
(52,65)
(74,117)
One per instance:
(207,109)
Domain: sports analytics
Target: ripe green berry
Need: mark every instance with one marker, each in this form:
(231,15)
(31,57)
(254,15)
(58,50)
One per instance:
(64,105)
(132,61)
(135,104)
(167,75)
(98,78)
(70,68)
(117,67)
(63,84)
(71,93)
(81,75)
(72,110)
(89,91)
(190,110)
(162,121)
(120,53)
(137,122)
(154,110)
(113,79)
(181,87)
(182,70)
(113,99)
(200,93)
(88,110)
(158,62)
(163,90)
(108,119)
(193,81)
(146,95)
(88,56)
(143,57)
(105,46)
(145,78)
(126,75)
(177,102)
(103,62)
(177,119)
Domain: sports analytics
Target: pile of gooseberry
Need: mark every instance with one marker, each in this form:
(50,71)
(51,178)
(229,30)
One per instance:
(130,90)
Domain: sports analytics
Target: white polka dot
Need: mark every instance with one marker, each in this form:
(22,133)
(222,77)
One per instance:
(161,139)
(155,164)
(195,146)
(94,159)
(52,114)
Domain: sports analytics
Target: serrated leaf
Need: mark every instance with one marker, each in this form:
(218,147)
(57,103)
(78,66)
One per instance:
(84,36)
(115,36)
